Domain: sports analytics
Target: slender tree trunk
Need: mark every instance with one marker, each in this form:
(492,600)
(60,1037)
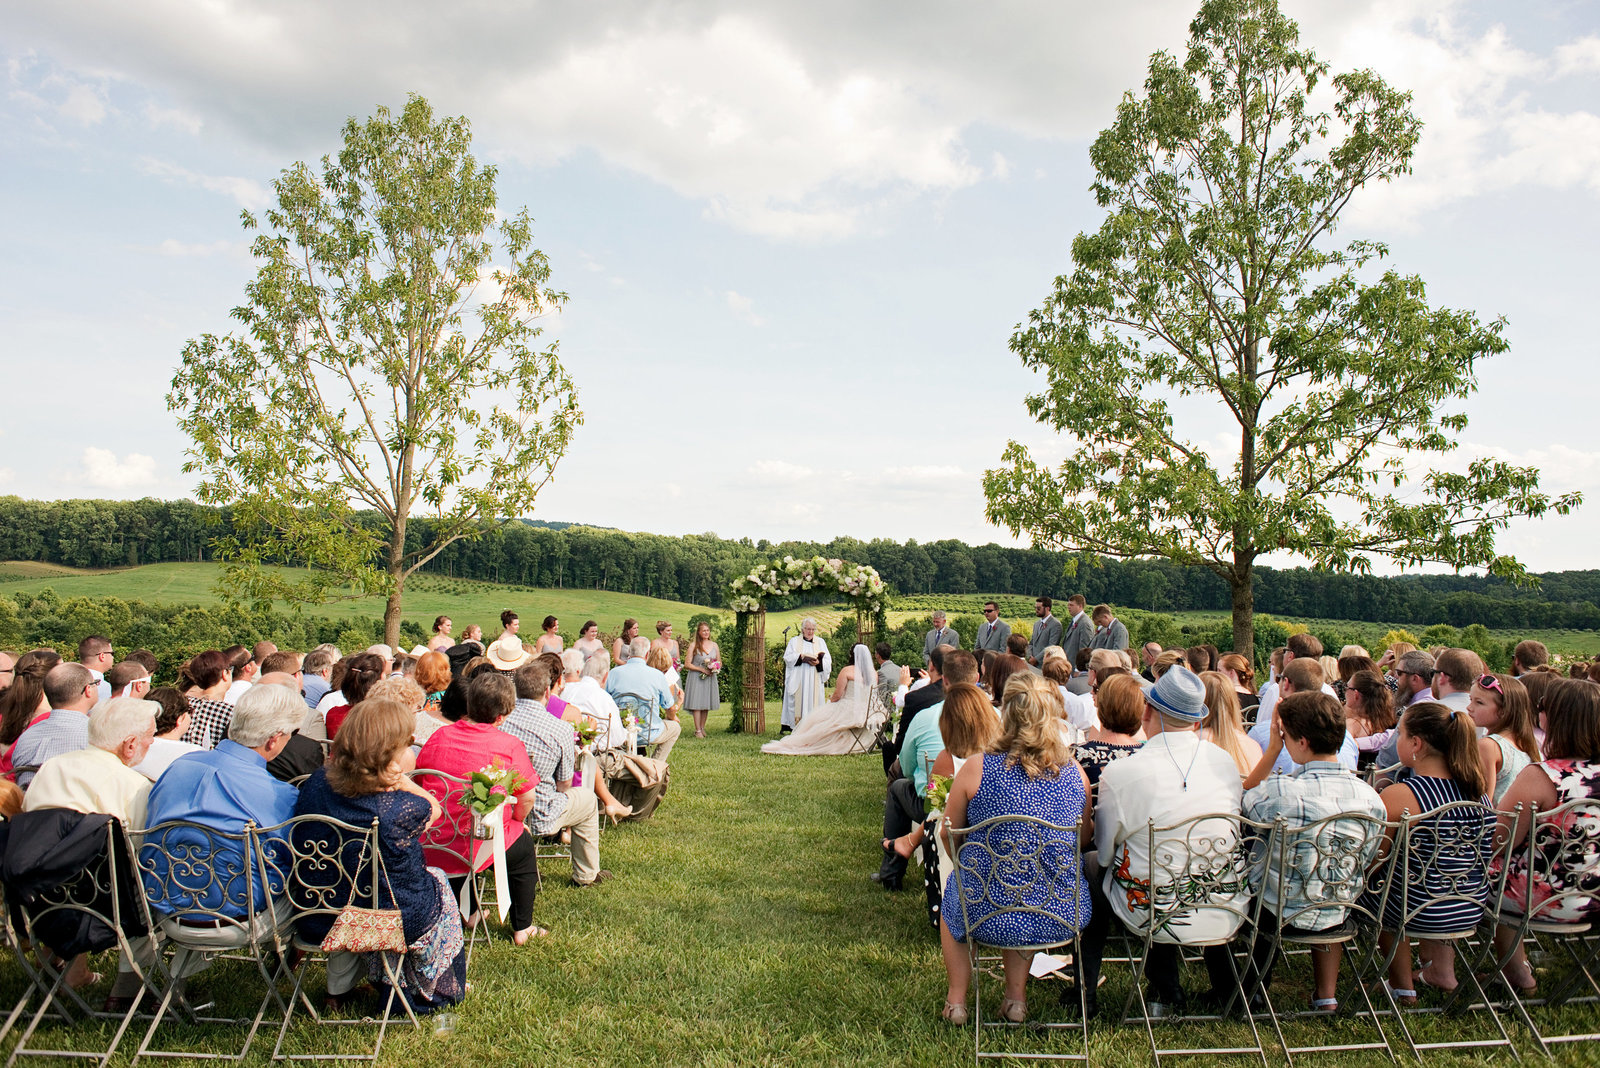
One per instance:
(391,610)
(1244,606)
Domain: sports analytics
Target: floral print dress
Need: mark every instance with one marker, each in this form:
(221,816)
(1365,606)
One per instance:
(1568,849)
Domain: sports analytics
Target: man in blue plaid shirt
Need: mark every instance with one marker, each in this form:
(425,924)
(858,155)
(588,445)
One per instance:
(1310,726)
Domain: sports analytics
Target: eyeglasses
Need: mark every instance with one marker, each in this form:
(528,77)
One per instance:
(991,611)
(1489,682)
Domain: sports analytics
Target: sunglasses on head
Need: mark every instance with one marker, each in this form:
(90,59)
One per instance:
(1489,682)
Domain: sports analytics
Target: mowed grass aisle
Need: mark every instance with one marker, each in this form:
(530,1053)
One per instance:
(741,929)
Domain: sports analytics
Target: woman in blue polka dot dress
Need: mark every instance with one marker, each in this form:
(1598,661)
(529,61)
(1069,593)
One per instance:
(1029,771)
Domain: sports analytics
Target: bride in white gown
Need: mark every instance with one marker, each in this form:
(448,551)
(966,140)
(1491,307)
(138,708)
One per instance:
(844,724)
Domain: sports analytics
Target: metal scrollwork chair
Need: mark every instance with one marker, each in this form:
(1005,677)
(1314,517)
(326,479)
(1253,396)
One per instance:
(1551,901)
(1447,861)
(1197,895)
(441,843)
(328,864)
(1313,880)
(100,908)
(1022,874)
(208,897)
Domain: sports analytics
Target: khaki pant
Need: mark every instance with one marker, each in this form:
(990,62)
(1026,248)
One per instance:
(670,729)
(583,817)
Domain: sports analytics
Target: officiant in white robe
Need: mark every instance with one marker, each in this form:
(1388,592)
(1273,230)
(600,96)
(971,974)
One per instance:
(807,665)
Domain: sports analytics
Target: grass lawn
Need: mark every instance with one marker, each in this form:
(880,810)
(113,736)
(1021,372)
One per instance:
(741,929)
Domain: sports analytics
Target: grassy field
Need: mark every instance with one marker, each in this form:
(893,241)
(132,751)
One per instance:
(1568,642)
(741,929)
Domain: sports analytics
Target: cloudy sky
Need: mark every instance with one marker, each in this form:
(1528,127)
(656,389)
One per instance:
(796,236)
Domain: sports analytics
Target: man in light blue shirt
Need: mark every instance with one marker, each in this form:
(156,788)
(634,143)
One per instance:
(638,686)
(1301,675)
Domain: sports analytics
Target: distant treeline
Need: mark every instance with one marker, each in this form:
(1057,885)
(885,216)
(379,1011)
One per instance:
(697,568)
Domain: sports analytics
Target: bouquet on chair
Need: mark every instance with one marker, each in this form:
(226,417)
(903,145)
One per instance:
(587,730)
(938,791)
(488,789)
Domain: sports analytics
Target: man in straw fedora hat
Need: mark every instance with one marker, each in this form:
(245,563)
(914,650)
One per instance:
(507,653)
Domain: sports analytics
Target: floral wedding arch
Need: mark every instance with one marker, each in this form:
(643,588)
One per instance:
(748,595)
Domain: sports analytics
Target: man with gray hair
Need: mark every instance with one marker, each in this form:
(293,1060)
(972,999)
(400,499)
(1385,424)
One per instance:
(939,635)
(100,776)
(806,667)
(646,691)
(72,691)
(587,691)
(314,673)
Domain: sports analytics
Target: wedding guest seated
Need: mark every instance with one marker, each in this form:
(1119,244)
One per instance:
(300,755)
(1027,772)
(1302,674)
(1499,705)
(1439,747)
(205,681)
(72,691)
(433,676)
(1243,676)
(1224,726)
(1017,645)
(588,694)
(315,671)
(646,689)
(1119,703)
(365,780)
(966,727)
(362,672)
(1570,771)
(913,703)
(1369,712)
(171,723)
(905,804)
(1174,776)
(23,703)
(99,778)
(557,806)
(1311,727)
(461,748)
(1001,669)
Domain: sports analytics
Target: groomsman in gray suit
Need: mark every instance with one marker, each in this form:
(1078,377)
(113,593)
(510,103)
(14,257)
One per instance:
(939,635)
(1046,631)
(1078,630)
(993,631)
(1109,631)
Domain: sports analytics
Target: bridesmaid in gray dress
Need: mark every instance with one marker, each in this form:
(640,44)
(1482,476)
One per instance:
(700,691)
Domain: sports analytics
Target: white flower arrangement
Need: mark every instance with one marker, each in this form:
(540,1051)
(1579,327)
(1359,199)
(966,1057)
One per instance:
(789,575)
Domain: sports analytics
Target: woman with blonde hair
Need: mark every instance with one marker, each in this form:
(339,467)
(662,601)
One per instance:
(1224,726)
(1165,661)
(1027,771)
(657,658)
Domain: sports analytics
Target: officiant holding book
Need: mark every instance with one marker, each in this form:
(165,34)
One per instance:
(807,666)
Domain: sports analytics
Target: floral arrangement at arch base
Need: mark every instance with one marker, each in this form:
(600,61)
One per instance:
(858,582)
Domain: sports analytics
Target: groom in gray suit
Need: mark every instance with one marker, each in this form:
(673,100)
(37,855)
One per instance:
(993,631)
(1078,630)
(1046,632)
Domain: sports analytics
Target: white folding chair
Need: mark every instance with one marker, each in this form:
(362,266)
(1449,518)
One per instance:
(1020,866)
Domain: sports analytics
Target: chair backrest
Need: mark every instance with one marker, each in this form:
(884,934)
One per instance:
(1446,857)
(192,872)
(1319,872)
(97,908)
(325,863)
(1559,878)
(646,709)
(1200,867)
(450,838)
(1022,866)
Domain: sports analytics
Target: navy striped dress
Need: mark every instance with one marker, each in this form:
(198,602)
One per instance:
(1448,860)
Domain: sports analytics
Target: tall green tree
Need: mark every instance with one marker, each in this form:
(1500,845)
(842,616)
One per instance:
(1214,292)
(388,360)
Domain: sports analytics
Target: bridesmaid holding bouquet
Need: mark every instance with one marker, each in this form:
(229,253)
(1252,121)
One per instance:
(701,695)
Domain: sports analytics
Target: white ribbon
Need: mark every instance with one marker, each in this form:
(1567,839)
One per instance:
(502,881)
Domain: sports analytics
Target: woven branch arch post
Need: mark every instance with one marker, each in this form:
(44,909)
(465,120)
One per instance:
(748,595)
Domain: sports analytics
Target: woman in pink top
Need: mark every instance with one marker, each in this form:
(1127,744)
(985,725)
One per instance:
(460,749)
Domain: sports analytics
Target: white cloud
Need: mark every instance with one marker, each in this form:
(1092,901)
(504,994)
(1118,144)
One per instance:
(246,192)
(780,470)
(743,309)
(1579,57)
(183,249)
(1000,168)
(6,475)
(177,118)
(923,473)
(102,470)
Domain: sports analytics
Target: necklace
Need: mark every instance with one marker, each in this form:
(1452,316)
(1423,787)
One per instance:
(1184,775)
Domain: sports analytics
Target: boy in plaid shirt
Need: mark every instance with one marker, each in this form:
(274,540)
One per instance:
(1310,726)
